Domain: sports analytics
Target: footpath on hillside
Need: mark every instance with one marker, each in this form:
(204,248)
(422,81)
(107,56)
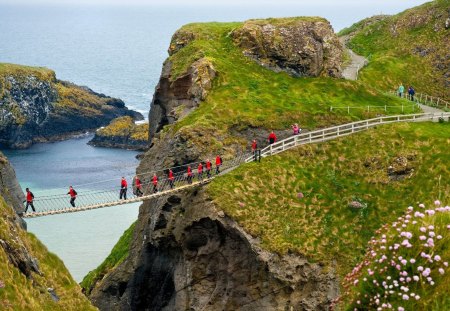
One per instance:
(357,62)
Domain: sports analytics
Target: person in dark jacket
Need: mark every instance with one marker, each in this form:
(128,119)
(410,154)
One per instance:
(30,198)
(171,178)
(189,174)
(411,93)
(123,189)
(155,183)
(73,196)
(272,138)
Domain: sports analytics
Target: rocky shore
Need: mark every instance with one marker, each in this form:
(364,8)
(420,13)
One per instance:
(37,107)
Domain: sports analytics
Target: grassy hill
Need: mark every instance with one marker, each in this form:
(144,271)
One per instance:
(245,94)
(326,200)
(410,48)
(18,292)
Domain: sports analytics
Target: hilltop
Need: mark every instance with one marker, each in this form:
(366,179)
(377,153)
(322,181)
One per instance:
(410,48)
(35,106)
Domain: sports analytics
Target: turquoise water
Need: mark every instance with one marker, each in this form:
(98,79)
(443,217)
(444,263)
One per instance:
(117,51)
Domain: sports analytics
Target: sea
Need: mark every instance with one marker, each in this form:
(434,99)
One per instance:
(117,50)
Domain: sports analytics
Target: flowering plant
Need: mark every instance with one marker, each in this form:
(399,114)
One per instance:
(405,262)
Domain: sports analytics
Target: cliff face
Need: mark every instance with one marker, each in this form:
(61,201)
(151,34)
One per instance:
(35,106)
(187,255)
(9,187)
(299,47)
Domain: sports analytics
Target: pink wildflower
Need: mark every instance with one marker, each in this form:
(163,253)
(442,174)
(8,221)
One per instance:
(441,271)
(437,203)
(421,205)
(437,257)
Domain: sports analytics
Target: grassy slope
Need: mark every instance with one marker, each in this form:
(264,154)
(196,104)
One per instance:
(392,57)
(118,254)
(125,126)
(247,95)
(263,197)
(20,293)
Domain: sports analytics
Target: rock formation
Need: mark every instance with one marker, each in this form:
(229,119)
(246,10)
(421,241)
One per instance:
(297,46)
(9,187)
(35,106)
(122,133)
(187,255)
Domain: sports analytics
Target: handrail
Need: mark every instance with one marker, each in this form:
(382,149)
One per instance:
(424,99)
(343,130)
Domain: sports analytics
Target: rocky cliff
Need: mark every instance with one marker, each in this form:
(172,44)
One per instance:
(122,133)
(301,47)
(31,278)
(35,106)
(186,254)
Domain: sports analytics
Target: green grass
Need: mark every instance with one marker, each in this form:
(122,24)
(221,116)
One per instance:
(21,293)
(20,71)
(245,94)
(118,254)
(125,126)
(263,197)
(392,57)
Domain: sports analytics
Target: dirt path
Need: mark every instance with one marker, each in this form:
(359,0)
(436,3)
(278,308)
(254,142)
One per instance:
(350,72)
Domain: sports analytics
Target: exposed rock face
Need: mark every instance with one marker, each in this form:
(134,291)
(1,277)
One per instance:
(36,107)
(9,187)
(299,47)
(186,255)
(176,97)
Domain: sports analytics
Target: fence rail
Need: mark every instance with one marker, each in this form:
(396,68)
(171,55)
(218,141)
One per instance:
(424,99)
(343,130)
(401,108)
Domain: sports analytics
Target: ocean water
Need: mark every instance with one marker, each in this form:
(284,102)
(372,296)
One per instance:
(117,51)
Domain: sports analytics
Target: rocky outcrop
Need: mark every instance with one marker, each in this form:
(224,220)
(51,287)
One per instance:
(9,187)
(122,133)
(35,106)
(175,97)
(186,255)
(300,47)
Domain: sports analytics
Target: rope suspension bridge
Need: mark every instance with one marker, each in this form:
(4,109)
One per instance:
(106,197)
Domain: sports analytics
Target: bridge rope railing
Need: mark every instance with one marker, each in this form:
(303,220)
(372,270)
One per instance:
(92,199)
(86,200)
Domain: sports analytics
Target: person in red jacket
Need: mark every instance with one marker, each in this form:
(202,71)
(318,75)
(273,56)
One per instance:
(123,189)
(30,198)
(254,146)
(218,164)
(73,196)
(171,178)
(208,168)
(272,138)
(155,183)
(189,174)
(200,171)
(138,186)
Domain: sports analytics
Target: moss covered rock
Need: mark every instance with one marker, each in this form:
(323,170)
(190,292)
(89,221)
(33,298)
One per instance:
(123,133)
(35,106)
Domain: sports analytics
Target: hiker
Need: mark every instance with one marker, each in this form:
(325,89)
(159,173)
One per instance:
(295,129)
(123,189)
(171,179)
(218,164)
(138,186)
(254,146)
(30,198)
(189,174)
(208,168)
(401,90)
(73,196)
(272,137)
(200,171)
(155,183)
(411,93)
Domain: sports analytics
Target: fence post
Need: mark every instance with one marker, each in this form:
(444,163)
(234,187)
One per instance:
(338,131)
(270,149)
(310,137)
(353,128)
(331,108)
(348,109)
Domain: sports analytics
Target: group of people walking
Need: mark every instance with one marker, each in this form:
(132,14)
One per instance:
(401,91)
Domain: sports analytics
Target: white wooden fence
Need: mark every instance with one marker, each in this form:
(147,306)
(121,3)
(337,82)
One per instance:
(343,130)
